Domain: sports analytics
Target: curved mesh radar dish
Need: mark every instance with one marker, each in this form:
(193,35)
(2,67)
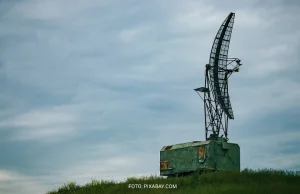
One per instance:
(218,62)
(217,106)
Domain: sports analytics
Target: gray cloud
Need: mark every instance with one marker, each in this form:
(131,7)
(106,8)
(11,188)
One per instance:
(94,89)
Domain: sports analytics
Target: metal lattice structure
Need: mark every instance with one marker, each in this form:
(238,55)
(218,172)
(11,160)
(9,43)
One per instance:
(217,105)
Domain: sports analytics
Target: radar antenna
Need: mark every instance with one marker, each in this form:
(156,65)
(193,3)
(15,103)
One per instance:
(217,106)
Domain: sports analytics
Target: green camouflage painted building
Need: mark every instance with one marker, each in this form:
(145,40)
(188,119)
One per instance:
(194,156)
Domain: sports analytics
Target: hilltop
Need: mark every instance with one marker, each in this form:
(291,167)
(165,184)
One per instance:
(245,182)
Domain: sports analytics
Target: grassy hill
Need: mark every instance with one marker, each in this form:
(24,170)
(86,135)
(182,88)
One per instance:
(245,182)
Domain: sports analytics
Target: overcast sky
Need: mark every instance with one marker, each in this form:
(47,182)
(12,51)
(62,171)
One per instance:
(94,88)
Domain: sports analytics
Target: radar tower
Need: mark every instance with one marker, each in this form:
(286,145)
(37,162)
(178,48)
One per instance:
(217,106)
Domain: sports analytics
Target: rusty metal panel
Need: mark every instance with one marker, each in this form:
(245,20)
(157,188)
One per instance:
(201,154)
(163,165)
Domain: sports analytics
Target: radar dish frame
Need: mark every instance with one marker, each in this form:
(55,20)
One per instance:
(217,105)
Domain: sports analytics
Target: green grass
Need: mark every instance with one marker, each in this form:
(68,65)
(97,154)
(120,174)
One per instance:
(245,182)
